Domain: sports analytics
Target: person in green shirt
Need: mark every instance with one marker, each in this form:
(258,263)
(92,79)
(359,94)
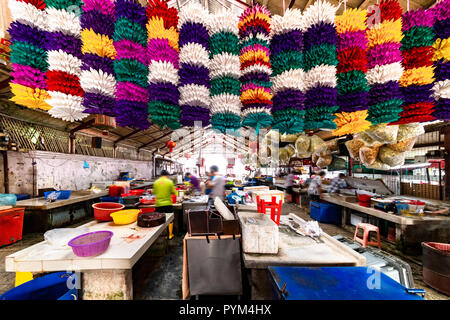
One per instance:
(163,189)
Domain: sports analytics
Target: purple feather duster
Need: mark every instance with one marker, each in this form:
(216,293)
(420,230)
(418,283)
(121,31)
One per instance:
(26,33)
(98,22)
(68,43)
(163,91)
(319,96)
(97,63)
(292,40)
(192,74)
(288,99)
(194,32)
(351,102)
(318,34)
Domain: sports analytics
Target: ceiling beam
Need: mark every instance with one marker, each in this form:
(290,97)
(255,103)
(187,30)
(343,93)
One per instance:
(126,136)
(154,140)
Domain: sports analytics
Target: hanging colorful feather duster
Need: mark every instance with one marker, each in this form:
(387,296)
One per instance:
(28,54)
(163,54)
(287,74)
(351,79)
(97,76)
(256,96)
(384,62)
(441,59)
(194,60)
(224,71)
(64,59)
(130,65)
(319,62)
(418,74)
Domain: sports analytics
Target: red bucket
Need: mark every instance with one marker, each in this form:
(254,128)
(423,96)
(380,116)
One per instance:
(174,199)
(103,210)
(115,191)
(137,192)
(146,210)
(364,200)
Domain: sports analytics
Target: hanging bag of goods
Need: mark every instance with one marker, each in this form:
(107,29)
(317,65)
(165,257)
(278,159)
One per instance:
(28,54)
(418,74)
(288,86)
(194,61)
(441,58)
(97,70)
(64,59)
(384,62)
(320,61)
(256,96)
(351,78)
(163,55)
(225,72)
(130,65)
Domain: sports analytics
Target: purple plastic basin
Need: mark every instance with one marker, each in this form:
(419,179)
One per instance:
(91,244)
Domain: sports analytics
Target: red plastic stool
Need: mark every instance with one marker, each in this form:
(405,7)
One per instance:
(275,209)
(367,227)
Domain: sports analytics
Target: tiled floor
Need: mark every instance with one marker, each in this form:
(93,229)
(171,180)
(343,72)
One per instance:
(158,273)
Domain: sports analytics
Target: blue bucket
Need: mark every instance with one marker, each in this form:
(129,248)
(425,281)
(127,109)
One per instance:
(62,195)
(55,286)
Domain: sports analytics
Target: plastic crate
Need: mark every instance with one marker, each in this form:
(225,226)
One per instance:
(62,195)
(7,199)
(325,212)
(11,225)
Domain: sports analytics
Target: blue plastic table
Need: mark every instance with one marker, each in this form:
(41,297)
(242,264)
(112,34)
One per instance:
(337,283)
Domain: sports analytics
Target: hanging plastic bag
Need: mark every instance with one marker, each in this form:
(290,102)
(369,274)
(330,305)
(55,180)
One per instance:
(316,143)
(283,155)
(290,150)
(353,147)
(404,145)
(302,144)
(378,165)
(324,161)
(338,164)
(383,133)
(390,157)
(288,137)
(410,130)
(364,137)
(368,155)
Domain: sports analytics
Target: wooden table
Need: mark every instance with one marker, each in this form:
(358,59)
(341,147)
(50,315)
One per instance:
(105,277)
(406,226)
(296,250)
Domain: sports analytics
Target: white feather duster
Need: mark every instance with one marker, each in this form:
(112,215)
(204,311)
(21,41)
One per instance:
(194,95)
(66,106)
(63,21)
(441,90)
(385,73)
(224,20)
(98,81)
(224,64)
(320,11)
(293,79)
(27,14)
(324,75)
(162,70)
(195,54)
(250,111)
(256,68)
(63,61)
(291,20)
(193,12)
(226,103)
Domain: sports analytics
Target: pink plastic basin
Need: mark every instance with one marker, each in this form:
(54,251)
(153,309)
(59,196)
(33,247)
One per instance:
(91,244)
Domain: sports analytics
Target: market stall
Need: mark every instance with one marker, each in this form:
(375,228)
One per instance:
(113,267)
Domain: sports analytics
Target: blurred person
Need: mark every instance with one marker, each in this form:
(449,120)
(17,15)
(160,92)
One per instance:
(315,187)
(193,180)
(216,184)
(337,184)
(289,183)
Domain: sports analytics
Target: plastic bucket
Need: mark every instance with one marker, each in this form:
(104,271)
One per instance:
(174,199)
(91,244)
(103,210)
(364,200)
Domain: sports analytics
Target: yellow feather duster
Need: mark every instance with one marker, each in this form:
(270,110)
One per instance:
(417,76)
(155,29)
(258,15)
(257,93)
(351,122)
(259,55)
(387,31)
(30,97)
(98,44)
(351,20)
(442,50)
